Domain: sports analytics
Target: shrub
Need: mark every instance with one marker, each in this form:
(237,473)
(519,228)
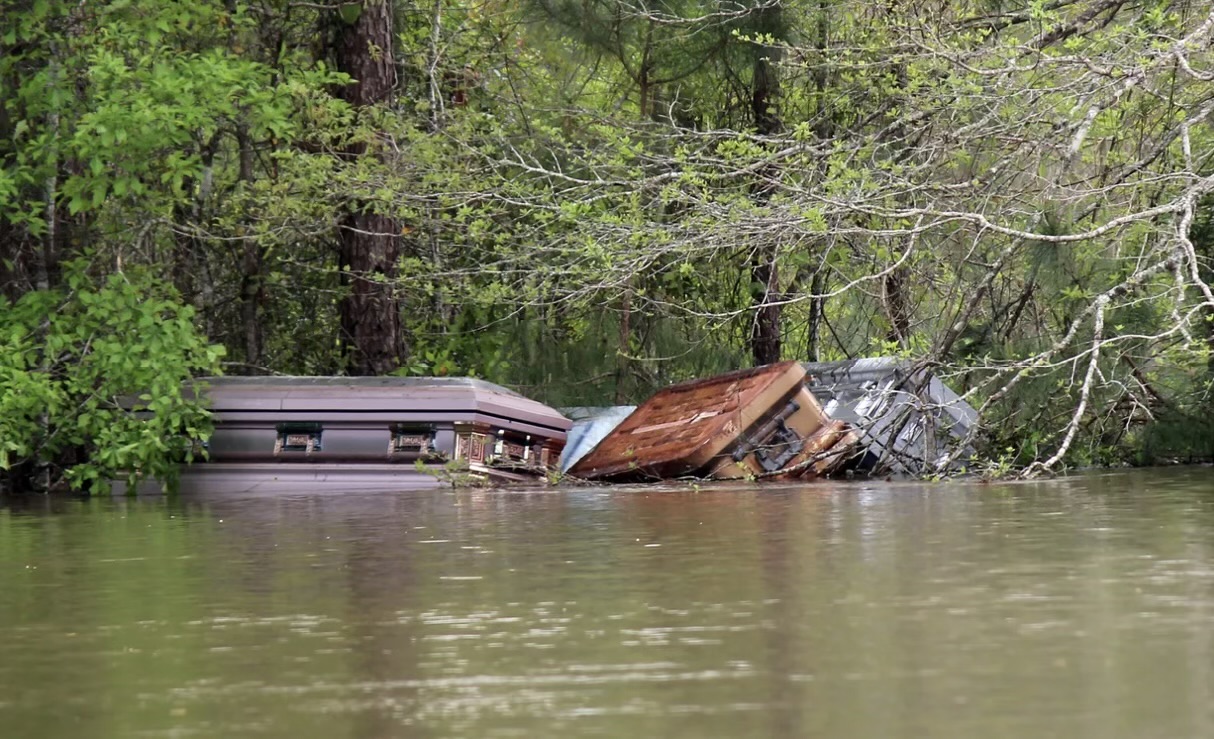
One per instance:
(95,383)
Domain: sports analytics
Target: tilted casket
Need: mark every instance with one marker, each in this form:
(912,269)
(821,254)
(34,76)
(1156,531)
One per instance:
(754,422)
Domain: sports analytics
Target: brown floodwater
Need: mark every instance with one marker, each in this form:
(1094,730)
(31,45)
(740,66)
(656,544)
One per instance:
(1081,607)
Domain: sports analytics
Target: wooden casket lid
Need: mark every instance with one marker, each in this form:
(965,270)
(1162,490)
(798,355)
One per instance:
(447,399)
(683,427)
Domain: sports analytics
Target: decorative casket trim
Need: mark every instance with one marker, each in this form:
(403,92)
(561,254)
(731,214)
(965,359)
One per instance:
(295,438)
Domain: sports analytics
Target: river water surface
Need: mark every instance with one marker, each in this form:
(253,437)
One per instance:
(1073,608)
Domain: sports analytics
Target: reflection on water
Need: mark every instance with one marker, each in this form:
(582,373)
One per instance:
(1075,608)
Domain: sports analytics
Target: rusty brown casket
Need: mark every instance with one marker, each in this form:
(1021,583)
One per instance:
(392,432)
(755,422)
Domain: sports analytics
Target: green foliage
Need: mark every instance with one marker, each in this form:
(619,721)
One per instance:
(101,368)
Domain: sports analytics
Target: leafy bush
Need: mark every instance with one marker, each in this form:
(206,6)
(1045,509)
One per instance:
(94,383)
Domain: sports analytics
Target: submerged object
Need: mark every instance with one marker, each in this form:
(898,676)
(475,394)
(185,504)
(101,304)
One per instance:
(590,425)
(877,415)
(755,422)
(372,433)
(906,419)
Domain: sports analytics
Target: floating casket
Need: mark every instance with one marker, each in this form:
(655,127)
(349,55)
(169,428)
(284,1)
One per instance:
(754,422)
(392,431)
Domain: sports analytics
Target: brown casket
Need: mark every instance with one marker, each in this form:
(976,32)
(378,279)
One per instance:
(394,431)
(748,423)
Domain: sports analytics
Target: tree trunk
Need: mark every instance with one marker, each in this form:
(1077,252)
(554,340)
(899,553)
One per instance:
(252,267)
(765,340)
(897,306)
(370,312)
(645,75)
(817,313)
(191,268)
(624,349)
(369,246)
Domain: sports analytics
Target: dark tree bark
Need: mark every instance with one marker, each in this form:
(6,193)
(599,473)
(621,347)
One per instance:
(369,242)
(191,269)
(252,268)
(765,340)
(624,349)
(897,305)
(817,314)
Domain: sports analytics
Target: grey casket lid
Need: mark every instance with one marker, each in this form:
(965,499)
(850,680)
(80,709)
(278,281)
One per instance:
(450,399)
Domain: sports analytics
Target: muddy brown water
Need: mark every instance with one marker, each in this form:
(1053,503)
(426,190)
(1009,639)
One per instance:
(1072,608)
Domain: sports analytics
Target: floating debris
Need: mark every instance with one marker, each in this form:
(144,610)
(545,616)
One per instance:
(906,419)
(754,422)
(590,425)
(877,416)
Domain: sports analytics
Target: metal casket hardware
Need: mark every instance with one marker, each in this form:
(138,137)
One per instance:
(773,443)
(298,437)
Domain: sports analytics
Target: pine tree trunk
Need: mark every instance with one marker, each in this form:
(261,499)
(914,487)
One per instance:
(765,339)
(369,242)
(252,267)
(897,306)
(817,315)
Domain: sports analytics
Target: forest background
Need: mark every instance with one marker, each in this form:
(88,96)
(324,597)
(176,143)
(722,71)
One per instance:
(589,199)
